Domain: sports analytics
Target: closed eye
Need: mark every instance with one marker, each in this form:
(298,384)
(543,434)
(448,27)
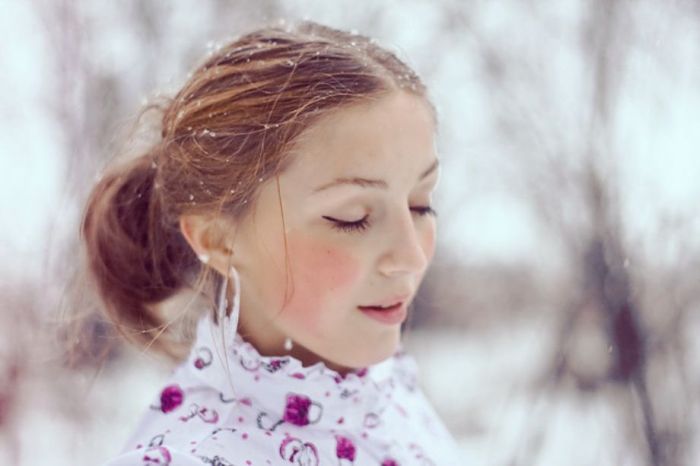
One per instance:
(363,223)
(427,210)
(342,225)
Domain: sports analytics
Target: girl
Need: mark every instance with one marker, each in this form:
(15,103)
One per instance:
(291,189)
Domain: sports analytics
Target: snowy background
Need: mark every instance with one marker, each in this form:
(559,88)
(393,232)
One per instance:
(558,324)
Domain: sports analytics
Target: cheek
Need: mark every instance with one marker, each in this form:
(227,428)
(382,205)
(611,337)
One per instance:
(428,243)
(322,273)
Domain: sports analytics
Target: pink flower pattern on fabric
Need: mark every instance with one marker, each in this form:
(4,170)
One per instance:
(157,455)
(171,397)
(344,448)
(248,409)
(297,410)
(298,452)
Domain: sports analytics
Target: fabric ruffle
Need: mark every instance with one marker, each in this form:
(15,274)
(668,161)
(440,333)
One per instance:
(286,391)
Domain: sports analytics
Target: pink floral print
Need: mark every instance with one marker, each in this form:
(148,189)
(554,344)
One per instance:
(298,452)
(297,410)
(203,358)
(246,409)
(157,455)
(344,448)
(171,397)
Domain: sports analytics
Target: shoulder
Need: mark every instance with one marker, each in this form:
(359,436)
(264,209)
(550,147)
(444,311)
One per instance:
(162,455)
(224,446)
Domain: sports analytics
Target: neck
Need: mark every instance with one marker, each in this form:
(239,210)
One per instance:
(274,346)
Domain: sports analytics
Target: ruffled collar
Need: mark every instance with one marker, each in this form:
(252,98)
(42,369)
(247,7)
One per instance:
(283,391)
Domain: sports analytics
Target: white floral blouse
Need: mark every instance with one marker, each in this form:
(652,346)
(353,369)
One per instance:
(228,405)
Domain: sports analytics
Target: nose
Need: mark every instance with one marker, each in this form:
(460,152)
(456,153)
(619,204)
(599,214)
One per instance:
(405,252)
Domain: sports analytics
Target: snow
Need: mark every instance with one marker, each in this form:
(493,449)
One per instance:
(491,383)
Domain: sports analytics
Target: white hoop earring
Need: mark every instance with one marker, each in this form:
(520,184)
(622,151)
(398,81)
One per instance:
(222,304)
(288,344)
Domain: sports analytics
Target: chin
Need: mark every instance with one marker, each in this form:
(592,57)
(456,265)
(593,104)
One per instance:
(374,354)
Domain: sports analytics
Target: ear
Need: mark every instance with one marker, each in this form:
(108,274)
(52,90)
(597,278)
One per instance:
(211,238)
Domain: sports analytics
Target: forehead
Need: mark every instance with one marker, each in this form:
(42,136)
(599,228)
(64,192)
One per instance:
(387,136)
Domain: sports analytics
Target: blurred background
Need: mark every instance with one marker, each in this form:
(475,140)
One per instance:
(558,324)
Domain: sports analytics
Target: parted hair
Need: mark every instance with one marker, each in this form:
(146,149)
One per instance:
(227,130)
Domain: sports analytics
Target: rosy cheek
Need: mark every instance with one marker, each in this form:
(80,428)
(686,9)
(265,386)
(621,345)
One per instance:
(322,273)
(428,244)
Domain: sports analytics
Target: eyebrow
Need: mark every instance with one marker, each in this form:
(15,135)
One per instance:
(368,183)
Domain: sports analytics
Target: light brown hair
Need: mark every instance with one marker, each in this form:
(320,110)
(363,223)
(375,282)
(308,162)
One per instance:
(228,129)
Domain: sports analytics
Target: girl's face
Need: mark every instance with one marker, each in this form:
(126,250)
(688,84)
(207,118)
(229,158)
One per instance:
(357,233)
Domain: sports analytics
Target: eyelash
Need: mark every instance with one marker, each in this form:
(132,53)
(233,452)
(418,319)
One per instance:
(363,223)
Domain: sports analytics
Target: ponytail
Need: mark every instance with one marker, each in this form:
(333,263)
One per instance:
(134,257)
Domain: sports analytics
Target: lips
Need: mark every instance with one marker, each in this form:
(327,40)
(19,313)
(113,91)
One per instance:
(381,308)
(392,315)
(390,302)
(388,311)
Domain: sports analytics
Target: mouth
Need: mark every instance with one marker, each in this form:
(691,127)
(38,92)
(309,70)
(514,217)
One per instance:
(391,307)
(388,303)
(387,314)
